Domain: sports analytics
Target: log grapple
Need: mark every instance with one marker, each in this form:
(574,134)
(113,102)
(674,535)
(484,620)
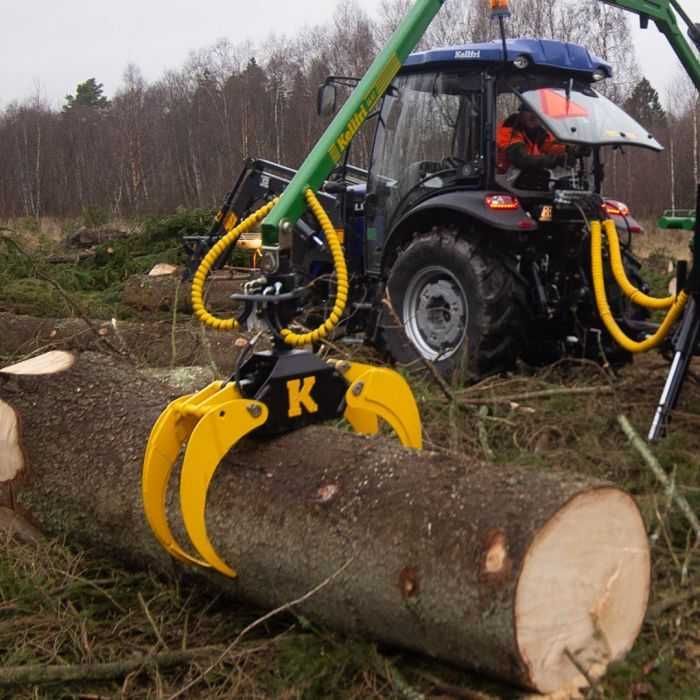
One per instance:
(270,393)
(288,387)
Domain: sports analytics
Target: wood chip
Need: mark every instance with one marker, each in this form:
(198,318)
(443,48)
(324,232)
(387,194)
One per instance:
(162,270)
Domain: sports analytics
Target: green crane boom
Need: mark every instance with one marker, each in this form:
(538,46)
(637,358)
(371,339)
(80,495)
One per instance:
(330,148)
(663,14)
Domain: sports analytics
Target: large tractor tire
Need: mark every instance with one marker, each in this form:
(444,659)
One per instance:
(455,304)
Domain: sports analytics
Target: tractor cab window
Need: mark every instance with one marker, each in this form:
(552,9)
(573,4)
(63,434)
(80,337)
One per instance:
(575,113)
(548,127)
(429,136)
(528,156)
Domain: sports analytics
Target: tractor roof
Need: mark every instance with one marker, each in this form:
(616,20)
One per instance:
(540,52)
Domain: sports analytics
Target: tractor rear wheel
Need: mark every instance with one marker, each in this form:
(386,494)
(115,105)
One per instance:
(455,304)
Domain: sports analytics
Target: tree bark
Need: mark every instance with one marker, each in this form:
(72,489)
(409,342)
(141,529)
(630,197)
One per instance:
(504,570)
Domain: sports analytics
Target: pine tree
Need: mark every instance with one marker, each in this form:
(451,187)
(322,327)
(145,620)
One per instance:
(87,94)
(644,105)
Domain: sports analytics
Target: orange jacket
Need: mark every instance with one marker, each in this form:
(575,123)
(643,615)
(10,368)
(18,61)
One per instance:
(509,135)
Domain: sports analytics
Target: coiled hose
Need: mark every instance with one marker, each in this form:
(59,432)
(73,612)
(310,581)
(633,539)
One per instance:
(676,305)
(635,295)
(341,273)
(200,277)
(289,337)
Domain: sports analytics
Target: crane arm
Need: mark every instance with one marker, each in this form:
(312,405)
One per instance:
(330,148)
(663,14)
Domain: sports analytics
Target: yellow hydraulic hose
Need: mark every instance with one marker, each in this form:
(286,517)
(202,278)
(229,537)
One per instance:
(200,311)
(341,273)
(618,269)
(604,309)
(291,338)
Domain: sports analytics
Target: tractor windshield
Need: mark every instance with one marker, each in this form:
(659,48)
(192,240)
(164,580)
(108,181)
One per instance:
(429,132)
(575,113)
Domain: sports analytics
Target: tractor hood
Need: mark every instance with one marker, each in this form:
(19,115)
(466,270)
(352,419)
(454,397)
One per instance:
(575,113)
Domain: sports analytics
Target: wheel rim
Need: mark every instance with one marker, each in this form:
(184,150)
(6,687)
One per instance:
(435,313)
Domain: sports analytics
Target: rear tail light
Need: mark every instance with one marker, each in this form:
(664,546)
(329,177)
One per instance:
(615,208)
(502,202)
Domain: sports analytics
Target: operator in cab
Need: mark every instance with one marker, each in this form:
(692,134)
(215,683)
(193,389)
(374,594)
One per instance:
(527,151)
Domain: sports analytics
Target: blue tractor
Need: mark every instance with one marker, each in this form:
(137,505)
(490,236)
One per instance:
(456,256)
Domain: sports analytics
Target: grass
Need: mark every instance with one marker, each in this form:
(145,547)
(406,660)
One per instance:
(62,607)
(29,283)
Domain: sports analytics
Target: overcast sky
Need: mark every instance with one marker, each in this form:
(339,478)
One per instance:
(51,46)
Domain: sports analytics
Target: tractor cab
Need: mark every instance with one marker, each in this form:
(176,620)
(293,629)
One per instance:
(439,127)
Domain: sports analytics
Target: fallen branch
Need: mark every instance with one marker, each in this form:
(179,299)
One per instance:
(695,418)
(660,474)
(256,623)
(454,691)
(673,601)
(72,258)
(483,434)
(38,674)
(70,301)
(582,670)
(542,394)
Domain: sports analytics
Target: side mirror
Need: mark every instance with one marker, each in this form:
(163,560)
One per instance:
(327,100)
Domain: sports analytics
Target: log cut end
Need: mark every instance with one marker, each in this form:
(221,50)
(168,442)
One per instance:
(583,590)
(49,363)
(11,455)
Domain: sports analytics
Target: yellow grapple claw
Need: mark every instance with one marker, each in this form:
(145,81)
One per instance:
(170,432)
(380,392)
(215,434)
(377,391)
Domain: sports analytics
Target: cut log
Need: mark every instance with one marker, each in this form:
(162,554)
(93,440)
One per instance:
(86,237)
(159,293)
(154,343)
(508,571)
(163,270)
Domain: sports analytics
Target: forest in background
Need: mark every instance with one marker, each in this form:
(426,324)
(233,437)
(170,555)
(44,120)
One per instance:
(181,140)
